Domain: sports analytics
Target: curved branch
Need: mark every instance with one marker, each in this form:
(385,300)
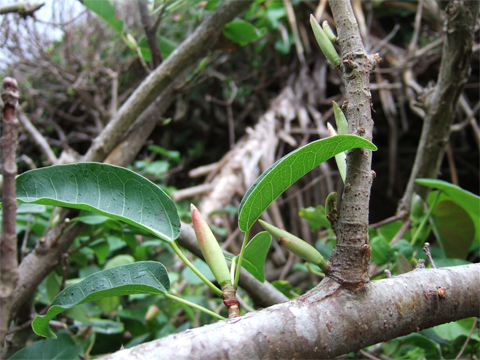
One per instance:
(316,325)
(186,54)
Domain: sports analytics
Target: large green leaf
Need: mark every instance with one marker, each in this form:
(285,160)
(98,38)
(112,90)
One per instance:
(255,255)
(146,277)
(106,11)
(281,175)
(105,189)
(453,228)
(467,200)
(61,349)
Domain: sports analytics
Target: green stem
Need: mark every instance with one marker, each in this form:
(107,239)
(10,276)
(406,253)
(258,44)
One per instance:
(424,220)
(187,262)
(193,305)
(232,270)
(319,274)
(240,257)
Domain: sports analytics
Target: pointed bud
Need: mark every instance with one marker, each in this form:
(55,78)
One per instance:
(210,249)
(329,32)
(324,42)
(331,202)
(130,41)
(340,119)
(296,245)
(341,158)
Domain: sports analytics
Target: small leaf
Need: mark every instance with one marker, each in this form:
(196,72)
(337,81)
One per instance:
(147,277)
(241,32)
(340,119)
(105,189)
(403,265)
(324,42)
(453,228)
(316,217)
(255,255)
(403,247)
(281,175)
(63,348)
(106,11)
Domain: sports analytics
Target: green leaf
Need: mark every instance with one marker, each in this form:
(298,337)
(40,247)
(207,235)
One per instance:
(455,329)
(192,278)
(469,201)
(106,11)
(166,48)
(281,175)
(403,265)
(315,217)
(403,247)
(440,263)
(148,277)
(105,189)
(453,228)
(381,251)
(90,218)
(241,32)
(63,348)
(255,255)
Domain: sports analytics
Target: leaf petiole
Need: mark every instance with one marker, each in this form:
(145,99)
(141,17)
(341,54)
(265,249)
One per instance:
(193,305)
(240,257)
(187,262)
(425,219)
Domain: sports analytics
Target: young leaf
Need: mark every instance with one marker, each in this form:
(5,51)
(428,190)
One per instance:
(276,179)
(146,277)
(105,189)
(106,11)
(255,255)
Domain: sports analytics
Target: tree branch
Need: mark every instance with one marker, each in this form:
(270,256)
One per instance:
(440,103)
(316,325)
(186,54)
(22,8)
(150,33)
(351,255)
(8,240)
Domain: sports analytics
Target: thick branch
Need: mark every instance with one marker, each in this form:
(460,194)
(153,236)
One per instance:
(316,325)
(23,8)
(350,258)
(440,104)
(186,54)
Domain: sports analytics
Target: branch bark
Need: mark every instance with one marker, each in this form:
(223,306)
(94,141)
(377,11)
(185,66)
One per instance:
(8,241)
(186,54)
(351,255)
(440,103)
(23,8)
(150,32)
(316,325)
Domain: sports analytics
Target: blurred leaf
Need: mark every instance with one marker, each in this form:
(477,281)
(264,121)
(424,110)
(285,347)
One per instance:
(62,348)
(101,250)
(106,11)
(286,171)
(455,329)
(403,265)
(389,230)
(103,326)
(90,218)
(325,248)
(52,285)
(31,209)
(463,198)
(171,154)
(108,190)
(439,263)
(453,228)
(119,260)
(315,217)
(192,278)
(286,288)
(403,247)
(241,32)
(147,277)
(381,251)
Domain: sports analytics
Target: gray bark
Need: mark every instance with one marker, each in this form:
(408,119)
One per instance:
(329,320)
